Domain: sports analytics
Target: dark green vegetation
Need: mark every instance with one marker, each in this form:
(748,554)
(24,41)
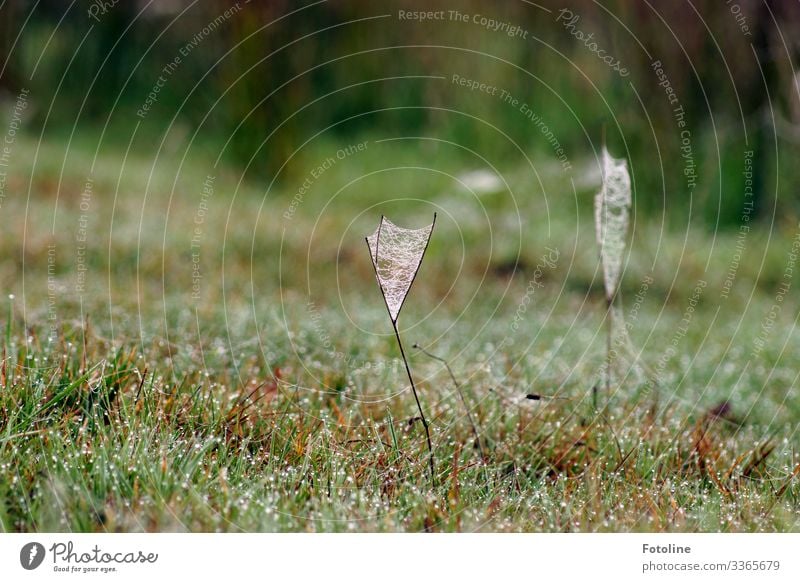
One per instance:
(254,83)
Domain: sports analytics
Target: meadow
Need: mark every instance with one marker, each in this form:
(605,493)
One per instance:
(185,351)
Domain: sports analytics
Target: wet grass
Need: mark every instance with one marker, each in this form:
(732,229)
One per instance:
(276,400)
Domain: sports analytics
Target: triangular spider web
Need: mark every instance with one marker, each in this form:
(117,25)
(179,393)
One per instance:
(396,254)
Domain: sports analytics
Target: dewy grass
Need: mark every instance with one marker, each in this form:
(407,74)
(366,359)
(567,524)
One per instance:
(397,255)
(210,430)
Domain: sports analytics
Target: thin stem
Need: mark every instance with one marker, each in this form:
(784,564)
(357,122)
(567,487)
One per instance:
(609,330)
(419,405)
(608,304)
(461,395)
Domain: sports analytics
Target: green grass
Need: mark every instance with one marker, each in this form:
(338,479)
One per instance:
(251,409)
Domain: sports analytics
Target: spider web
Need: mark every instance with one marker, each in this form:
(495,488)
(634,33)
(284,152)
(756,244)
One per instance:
(396,254)
(611,215)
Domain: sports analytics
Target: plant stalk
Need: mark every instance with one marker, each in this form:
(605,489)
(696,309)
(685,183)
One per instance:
(419,405)
(609,333)
(461,395)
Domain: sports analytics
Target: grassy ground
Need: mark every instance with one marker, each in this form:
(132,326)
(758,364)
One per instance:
(266,393)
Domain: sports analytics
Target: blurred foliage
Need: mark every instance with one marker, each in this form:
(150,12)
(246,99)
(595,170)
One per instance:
(258,85)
